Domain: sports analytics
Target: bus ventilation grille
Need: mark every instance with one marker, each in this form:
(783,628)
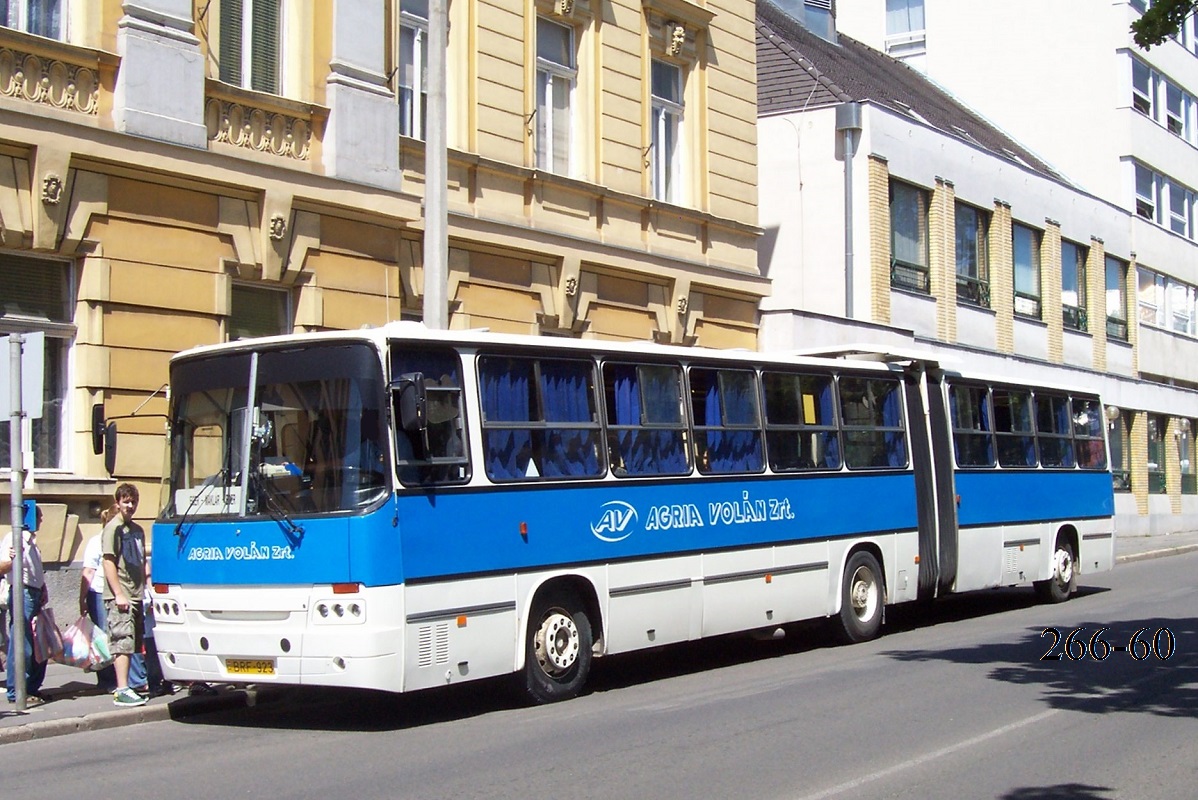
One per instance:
(433,645)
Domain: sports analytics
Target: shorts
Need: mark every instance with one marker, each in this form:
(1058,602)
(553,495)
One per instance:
(125,628)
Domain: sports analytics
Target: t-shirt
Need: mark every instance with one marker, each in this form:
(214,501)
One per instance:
(93,558)
(31,563)
(127,542)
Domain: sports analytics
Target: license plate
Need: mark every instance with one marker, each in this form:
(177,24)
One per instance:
(250,666)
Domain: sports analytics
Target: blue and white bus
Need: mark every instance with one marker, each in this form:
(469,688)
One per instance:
(400,509)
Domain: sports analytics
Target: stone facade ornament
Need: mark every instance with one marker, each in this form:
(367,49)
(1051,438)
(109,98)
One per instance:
(682,305)
(278,227)
(564,8)
(571,286)
(51,189)
(677,38)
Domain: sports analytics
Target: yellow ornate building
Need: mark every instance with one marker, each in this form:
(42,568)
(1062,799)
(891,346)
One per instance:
(176,173)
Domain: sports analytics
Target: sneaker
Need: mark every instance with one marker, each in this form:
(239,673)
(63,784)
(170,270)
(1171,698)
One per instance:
(33,701)
(127,698)
(203,689)
(164,689)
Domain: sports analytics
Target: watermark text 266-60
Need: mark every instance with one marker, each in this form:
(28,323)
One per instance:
(1075,646)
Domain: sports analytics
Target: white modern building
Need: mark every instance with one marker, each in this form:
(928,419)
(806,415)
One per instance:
(942,230)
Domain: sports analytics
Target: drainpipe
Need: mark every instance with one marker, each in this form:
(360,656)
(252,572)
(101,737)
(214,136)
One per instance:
(848,122)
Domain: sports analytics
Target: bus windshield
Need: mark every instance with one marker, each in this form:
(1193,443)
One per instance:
(310,428)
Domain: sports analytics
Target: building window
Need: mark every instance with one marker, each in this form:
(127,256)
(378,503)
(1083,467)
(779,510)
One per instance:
(905,29)
(413,67)
(1118,434)
(1025,244)
(251,44)
(1142,87)
(973,264)
(908,237)
(38,299)
(1181,204)
(1073,285)
(1150,291)
(1185,455)
(557,73)
(1183,303)
(667,102)
(259,312)
(1175,110)
(39,17)
(1157,425)
(1146,204)
(1116,298)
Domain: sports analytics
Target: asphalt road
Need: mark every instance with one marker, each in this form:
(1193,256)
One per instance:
(953,702)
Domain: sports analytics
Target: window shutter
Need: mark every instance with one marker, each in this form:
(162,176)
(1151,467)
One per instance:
(264,47)
(258,312)
(230,41)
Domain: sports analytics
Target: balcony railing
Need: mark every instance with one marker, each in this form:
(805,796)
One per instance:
(1074,318)
(262,122)
(1156,481)
(973,291)
(1116,328)
(1189,484)
(1027,305)
(909,276)
(1121,480)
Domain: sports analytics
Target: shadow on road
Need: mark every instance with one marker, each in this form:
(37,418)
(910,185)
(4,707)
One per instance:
(360,710)
(1149,668)
(1060,791)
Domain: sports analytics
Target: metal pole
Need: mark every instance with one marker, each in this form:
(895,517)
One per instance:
(436,174)
(17,578)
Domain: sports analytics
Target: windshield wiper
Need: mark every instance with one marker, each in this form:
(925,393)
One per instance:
(208,482)
(274,507)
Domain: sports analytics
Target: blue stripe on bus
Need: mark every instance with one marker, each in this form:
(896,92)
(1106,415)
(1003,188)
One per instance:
(997,497)
(470,531)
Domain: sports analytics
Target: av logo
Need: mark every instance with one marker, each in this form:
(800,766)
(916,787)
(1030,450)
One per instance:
(615,522)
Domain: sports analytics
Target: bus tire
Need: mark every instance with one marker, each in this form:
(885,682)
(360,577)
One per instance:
(1064,573)
(558,653)
(861,599)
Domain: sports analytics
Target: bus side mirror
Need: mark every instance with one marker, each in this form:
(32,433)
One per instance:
(98,428)
(411,403)
(110,447)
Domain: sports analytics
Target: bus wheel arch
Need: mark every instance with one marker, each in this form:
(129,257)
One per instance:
(1063,581)
(559,639)
(862,596)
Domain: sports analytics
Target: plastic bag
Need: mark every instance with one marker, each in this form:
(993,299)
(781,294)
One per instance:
(85,646)
(47,638)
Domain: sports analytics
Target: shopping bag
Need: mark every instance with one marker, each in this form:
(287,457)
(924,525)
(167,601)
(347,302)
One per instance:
(101,656)
(47,638)
(77,644)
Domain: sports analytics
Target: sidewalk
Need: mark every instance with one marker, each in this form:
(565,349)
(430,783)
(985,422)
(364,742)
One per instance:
(75,704)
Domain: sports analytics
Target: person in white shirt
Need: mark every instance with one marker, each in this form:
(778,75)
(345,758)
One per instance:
(35,597)
(91,602)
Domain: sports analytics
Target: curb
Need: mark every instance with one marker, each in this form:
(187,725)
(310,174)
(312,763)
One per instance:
(1165,551)
(181,708)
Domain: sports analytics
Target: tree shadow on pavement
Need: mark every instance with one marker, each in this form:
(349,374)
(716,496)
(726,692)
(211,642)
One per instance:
(1160,677)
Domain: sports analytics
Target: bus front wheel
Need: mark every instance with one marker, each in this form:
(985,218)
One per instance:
(861,599)
(1064,574)
(558,653)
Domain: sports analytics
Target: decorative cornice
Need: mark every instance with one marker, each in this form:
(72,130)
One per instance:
(49,81)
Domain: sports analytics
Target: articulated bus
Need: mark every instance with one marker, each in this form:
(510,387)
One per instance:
(400,509)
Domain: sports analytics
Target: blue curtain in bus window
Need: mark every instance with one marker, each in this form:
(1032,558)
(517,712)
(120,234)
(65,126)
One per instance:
(566,389)
(732,450)
(505,399)
(892,417)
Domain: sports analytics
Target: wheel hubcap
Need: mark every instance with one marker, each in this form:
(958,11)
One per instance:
(1064,567)
(863,594)
(556,643)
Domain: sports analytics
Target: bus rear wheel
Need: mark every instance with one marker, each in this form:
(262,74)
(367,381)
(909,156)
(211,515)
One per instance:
(1064,574)
(557,656)
(861,599)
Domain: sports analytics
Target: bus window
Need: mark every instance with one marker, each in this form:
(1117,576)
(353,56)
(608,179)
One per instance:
(1013,427)
(727,422)
(441,457)
(1054,429)
(871,409)
(800,422)
(1088,441)
(646,429)
(539,418)
(973,440)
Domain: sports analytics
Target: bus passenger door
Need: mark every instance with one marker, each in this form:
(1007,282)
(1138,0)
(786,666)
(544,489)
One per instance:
(932,456)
